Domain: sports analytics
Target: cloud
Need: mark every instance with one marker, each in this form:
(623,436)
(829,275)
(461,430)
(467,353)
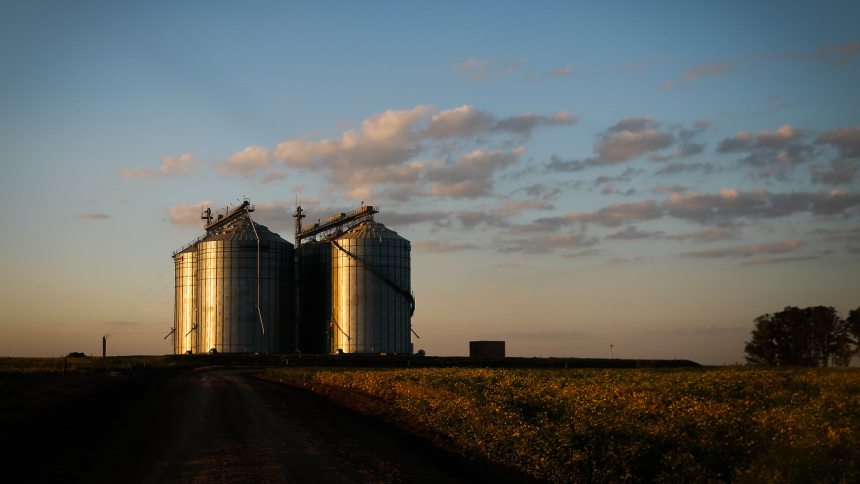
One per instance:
(838,54)
(441,247)
(564,71)
(276,215)
(481,69)
(395,218)
(170,166)
(724,208)
(684,168)
(775,260)
(386,138)
(518,206)
(188,214)
(771,154)
(613,215)
(686,147)
(93,216)
(541,244)
(472,175)
(246,162)
(628,139)
(460,122)
(625,176)
(379,156)
(839,172)
(524,124)
(709,69)
(709,235)
(782,247)
(843,168)
(718,68)
(632,233)
(467,121)
(846,140)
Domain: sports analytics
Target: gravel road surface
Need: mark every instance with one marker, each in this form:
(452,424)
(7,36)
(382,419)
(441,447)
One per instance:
(225,425)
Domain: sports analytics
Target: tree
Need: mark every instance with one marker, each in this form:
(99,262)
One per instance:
(813,336)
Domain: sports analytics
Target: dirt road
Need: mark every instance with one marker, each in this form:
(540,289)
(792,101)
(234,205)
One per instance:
(225,425)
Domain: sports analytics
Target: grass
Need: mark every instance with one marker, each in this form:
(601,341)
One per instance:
(733,424)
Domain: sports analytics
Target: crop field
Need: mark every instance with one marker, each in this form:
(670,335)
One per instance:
(731,424)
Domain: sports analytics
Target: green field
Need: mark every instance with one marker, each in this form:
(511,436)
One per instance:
(731,424)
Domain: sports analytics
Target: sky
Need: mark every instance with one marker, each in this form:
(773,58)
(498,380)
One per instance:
(586,179)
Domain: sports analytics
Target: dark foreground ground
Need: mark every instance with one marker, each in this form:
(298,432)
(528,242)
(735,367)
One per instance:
(218,425)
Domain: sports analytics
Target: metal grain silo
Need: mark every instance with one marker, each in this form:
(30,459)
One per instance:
(313,267)
(372,303)
(245,288)
(185,300)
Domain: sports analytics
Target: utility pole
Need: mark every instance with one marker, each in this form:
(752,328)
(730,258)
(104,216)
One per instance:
(104,346)
(611,352)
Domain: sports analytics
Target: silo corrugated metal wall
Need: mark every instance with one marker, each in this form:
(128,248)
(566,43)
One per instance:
(227,278)
(314,296)
(371,295)
(185,302)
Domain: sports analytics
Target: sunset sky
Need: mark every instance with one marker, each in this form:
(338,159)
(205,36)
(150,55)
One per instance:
(647,175)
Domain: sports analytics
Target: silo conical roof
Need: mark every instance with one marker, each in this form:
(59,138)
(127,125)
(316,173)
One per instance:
(241,229)
(370,230)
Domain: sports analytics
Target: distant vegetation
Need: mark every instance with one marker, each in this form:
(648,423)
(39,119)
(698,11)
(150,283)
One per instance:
(690,425)
(813,336)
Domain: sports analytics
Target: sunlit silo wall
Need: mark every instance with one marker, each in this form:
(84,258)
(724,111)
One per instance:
(228,291)
(314,296)
(371,295)
(185,300)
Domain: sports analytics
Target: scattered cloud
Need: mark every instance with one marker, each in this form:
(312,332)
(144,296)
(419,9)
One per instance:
(564,71)
(771,154)
(842,169)
(782,247)
(687,147)
(93,216)
(632,233)
(462,121)
(727,207)
(395,218)
(684,168)
(472,175)
(710,69)
(717,68)
(246,162)
(838,172)
(544,243)
(837,55)
(846,140)
(524,124)
(379,157)
(776,260)
(170,166)
(481,69)
(709,235)
(441,247)
(632,138)
(188,214)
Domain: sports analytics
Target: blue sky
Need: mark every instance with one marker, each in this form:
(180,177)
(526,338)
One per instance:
(571,175)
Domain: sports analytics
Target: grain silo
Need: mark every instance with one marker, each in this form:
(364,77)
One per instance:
(235,288)
(185,300)
(372,303)
(313,270)
(361,298)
